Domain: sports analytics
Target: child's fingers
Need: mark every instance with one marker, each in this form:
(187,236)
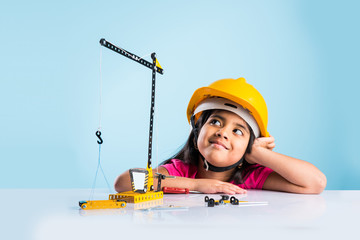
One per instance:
(270,140)
(266,140)
(271,145)
(230,188)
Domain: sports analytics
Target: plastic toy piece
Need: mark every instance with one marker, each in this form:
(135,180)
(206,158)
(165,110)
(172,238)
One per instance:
(160,177)
(175,190)
(139,180)
(135,197)
(101,204)
(131,56)
(98,134)
(158,64)
(148,204)
(140,191)
(224,200)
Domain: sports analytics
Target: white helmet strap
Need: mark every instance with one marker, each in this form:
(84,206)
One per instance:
(225,104)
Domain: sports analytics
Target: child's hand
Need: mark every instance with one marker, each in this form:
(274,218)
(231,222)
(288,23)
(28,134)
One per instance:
(265,142)
(216,186)
(262,142)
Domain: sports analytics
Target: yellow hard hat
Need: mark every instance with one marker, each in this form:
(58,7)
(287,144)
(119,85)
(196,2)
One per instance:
(239,93)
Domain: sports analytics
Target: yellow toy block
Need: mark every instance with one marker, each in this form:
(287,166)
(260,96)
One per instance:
(101,204)
(134,197)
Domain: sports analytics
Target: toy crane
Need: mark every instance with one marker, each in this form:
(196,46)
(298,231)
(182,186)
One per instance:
(141,180)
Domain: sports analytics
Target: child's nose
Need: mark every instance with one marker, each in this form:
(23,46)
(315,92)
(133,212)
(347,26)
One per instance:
(221,133)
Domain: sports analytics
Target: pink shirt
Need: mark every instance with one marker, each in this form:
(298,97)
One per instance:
(255,180)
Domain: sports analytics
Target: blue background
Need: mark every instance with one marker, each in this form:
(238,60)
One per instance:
(303,56)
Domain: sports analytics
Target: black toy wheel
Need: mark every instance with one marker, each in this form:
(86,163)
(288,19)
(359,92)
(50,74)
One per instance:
(232,200)
(206,198)
(225,197)
(211,202)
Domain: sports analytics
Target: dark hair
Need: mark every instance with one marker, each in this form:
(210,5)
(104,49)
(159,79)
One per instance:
(190,154)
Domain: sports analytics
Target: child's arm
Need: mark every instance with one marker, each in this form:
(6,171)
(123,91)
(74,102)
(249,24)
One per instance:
(123,183)
(290,174)
(202,185)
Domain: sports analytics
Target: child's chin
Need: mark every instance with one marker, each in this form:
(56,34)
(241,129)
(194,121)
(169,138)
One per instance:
(218,163)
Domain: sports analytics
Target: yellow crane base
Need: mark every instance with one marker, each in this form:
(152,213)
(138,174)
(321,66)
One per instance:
(148,204)
(134,197)
(102,204)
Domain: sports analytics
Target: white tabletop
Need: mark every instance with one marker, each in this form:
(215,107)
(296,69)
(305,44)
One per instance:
(55,214)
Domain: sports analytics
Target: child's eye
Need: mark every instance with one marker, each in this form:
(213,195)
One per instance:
(215,122)
(238,132)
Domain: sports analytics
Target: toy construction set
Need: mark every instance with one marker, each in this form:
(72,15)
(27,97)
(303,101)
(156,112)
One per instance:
(145,191)
(142,182)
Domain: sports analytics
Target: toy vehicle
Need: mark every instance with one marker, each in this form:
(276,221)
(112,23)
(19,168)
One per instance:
(224,200)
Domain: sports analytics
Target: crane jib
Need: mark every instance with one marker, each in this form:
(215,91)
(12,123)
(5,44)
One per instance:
(130,55)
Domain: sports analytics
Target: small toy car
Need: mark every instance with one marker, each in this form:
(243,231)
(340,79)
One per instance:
(224,200)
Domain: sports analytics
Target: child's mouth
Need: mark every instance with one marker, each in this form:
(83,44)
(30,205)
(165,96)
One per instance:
(218,145)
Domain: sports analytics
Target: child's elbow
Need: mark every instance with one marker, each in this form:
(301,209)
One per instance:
(117,186)
(322,183)
(122,183)
(319,184)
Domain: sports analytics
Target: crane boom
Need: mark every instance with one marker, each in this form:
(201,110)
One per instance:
(131,56)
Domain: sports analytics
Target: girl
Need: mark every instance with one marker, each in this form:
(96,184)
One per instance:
(229,149)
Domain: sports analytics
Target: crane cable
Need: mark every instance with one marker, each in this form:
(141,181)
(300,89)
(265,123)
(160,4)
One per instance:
(99,141)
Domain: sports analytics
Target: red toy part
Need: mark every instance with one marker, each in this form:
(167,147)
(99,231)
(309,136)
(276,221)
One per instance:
(175,190)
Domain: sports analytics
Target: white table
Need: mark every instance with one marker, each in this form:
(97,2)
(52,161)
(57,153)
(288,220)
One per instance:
(55,214)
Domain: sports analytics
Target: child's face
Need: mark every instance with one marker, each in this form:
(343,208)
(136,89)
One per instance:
(224,138)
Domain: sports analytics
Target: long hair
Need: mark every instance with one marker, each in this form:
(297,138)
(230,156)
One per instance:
(190,154)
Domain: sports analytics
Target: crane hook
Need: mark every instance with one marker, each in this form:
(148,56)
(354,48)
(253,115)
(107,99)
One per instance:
(98,134)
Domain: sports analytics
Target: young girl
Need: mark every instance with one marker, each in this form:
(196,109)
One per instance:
(229,149)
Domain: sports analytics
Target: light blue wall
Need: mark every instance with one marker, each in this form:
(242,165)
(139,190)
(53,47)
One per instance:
(302,56)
